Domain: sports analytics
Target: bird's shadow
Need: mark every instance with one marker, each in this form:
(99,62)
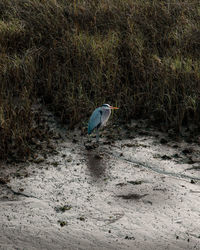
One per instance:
(96,164)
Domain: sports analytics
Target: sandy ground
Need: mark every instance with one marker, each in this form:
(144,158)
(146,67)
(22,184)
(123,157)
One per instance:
(133,191)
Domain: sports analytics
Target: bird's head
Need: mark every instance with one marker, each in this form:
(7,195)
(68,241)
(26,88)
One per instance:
(107,106)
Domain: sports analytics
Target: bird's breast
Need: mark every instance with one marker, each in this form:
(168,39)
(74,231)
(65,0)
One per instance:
(105,116)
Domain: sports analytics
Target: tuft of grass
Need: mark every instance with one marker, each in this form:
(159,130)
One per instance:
(75,55)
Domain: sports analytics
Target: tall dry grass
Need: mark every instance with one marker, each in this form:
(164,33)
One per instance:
(75,55)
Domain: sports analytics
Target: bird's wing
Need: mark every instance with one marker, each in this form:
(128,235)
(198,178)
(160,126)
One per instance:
(95,120)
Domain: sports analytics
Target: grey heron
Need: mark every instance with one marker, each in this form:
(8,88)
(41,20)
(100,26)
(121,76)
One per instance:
(99,118)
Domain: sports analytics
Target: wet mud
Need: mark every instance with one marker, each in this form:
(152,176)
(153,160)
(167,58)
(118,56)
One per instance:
(134,190)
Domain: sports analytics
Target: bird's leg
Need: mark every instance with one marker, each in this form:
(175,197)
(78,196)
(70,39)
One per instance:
(97,135)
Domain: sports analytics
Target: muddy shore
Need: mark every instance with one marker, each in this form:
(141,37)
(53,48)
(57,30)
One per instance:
(132,191)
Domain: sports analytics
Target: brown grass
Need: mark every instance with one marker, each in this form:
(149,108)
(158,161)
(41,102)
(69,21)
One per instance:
(75,55)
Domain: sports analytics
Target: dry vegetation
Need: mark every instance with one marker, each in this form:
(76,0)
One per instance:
(75,55)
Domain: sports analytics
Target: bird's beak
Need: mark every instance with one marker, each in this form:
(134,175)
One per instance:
(113,107)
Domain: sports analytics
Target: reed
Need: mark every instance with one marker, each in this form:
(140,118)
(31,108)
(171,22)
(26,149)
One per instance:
(75,55)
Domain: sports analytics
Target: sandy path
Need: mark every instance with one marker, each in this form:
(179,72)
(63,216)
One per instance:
(133,194)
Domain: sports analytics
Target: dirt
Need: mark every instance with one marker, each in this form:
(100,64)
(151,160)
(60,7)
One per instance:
(133,190)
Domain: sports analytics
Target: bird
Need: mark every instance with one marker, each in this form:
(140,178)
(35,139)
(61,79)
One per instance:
(99,119)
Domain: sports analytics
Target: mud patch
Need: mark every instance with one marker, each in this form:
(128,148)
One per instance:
(116,195)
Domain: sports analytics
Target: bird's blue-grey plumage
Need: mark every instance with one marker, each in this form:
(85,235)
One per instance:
(95,120)
(99,118)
